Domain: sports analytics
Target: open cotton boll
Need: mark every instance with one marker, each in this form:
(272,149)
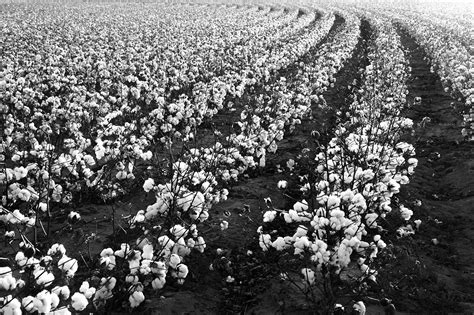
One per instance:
(136,298)
(46,301)
(181,273)
(282,184)
(158,268)
(147,251)
(63,292)
(405,212)
(265,241)
(174,261)
(11,306)
(148,185)
(79,301)
(158,283)
(31,304)
(308,275)
(43,277)
(7,282)
(300,206)
(200,244)
(224,225)
(122,252)
(269,216)
(279,244)
(178,231)
(57,249)
(68,265)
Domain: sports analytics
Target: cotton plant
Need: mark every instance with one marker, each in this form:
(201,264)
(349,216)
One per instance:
(349,184)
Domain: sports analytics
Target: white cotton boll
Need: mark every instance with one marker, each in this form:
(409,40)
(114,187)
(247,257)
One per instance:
(121,175)
(84,287)
(300,206)
(148,185)
(200,244)
(381,244)
(308,275)
(136,298)
(11,306)
(405,212)
(79,302)
(265,241)
(300,231)
(89,292)
(417,223)
(377,238)
(174,261)
(43,277)
(158,283)
(68,265)
(122,252)
(181,273)
(282,184)
(109,283)
(279,244)
(333,202)
(224,225)
(30,304)
(46,301)
(269,216)
(360,308)
(178,231)
(134,265)
(322,185)
(57,249)
(147,252)
(63,292)
(131,279)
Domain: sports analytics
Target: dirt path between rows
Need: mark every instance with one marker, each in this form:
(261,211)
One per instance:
(442,252)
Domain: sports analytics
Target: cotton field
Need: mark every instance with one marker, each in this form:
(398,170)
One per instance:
(236,157)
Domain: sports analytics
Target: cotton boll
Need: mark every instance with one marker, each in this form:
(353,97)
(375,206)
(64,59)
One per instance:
(308,275)
(200,244)
(11,306)
(224,225)
(30,304)
(174,261)
(279,244)
(178,231)
(158,283)
(122,252)
(43,277)
(269,216)
(57,249)
(300,206)
(147,252)
(265,241)
(158,268)
(181,273)
(63,292)
(359,307)
(282,184)
(68,265)
(417,223)
(136,298)
(79,302)
(405,212)
(46,300)
(148,185)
